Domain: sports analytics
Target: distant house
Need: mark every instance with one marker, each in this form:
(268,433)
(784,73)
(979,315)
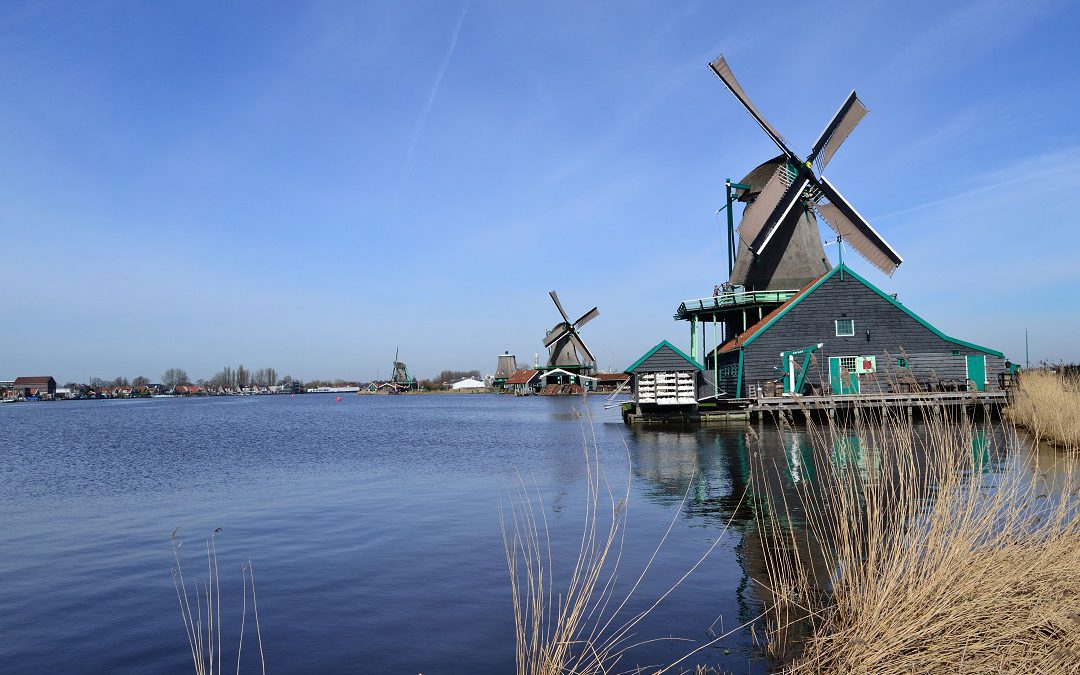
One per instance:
(523,381)
(42,386)
(468,383)
(610,381)
(189,390)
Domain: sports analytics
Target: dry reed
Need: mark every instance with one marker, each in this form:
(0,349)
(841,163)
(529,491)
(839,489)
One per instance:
(580,628)
(200,609)
(1048,405)
(933,562)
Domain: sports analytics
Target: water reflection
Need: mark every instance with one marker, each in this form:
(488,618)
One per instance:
(755,479)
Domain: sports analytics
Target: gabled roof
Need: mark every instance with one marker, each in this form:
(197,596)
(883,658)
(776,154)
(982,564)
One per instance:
(750,333)
(522,376)
(32,380)
(664,343)
(766,322)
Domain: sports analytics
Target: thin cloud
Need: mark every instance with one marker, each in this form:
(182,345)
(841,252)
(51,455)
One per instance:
(422,120)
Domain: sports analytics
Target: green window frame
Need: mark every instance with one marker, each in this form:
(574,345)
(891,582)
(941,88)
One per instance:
(902,362)
(845,327)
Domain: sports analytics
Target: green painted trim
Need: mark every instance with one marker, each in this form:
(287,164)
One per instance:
(664,343)
(889,298)
(738,381)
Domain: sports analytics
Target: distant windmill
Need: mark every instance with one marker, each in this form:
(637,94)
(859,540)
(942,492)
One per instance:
(401,375)
(564,344)
(506,367)
(779,244)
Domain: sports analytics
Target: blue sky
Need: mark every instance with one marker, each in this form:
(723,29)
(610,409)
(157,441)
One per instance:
(309,186)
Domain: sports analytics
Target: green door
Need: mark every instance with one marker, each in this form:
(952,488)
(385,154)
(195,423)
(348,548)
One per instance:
(976,371)
(840,384)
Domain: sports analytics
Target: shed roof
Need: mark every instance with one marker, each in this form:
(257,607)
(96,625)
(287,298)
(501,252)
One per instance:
(522,376)
(748,335)
(30,381)
(664,343)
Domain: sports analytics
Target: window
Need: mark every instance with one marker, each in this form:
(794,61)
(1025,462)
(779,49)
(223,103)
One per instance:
(902,362)
(955,352)
(845,327)
(847,363)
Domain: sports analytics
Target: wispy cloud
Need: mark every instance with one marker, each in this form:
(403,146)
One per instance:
(426,110)
(1034,175)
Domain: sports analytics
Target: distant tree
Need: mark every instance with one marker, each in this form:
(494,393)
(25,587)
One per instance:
(140,381)
(429,385)
(120,382)
(288,379)
(174,377)
(243,377)
(450,376)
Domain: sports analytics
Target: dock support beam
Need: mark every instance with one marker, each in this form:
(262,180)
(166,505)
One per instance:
(693,338)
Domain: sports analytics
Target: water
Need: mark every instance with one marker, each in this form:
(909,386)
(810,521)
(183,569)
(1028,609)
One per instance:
(373,524)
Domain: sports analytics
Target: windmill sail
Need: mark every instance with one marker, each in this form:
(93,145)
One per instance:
(843,123)
(849,224)
(723,71)
(781,214)
(759,211)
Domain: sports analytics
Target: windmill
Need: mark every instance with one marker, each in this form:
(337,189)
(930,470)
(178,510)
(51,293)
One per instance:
(565,347)
(779,244)
(401,376)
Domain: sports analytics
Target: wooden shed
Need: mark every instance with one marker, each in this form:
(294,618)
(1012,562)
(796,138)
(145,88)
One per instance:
(666,379)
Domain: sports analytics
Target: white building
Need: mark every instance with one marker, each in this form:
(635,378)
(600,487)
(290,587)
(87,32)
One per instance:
(468,383)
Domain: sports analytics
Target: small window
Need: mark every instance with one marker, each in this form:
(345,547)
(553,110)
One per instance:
(847,363)
(845,327)
(955,352)
(902,363)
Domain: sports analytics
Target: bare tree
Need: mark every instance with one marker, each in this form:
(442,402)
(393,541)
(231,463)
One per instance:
(174,377)
(140,381)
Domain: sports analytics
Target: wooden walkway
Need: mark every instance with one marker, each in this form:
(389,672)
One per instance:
(744,409)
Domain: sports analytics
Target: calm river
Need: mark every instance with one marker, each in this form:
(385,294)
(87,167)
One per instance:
(373,524)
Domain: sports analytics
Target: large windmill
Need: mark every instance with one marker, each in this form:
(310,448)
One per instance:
(566,349)
(779,244)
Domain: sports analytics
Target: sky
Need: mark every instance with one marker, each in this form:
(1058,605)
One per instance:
(312,186)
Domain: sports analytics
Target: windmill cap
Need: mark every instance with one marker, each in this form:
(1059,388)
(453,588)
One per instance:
(757,178)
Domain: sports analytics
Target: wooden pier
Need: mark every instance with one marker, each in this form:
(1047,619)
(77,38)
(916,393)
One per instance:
(742,410)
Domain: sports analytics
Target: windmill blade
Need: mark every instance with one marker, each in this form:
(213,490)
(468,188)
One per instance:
(759,211)
(555,298)
(723,71)
(580,344)
(849,224)
(587,317)
(780,213)
(843,122)
(557,334)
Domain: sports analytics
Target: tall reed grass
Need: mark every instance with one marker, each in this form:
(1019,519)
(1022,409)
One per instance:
(579,625)
(1048,405)
(937,561)
(200,609)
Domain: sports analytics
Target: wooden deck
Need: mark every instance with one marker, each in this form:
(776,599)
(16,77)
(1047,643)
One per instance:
(745,409)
